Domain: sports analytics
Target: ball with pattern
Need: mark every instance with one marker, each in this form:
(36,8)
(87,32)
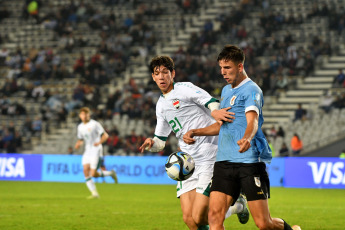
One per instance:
(180,166)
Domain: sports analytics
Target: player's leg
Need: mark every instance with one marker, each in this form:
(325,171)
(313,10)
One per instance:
(89,182)
(219,205)
(256,186)
(186,201)
(203,175)
(200,209)
(239,208)
(225,189)
(103,172)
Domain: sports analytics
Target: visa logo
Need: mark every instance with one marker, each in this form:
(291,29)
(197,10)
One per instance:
(12,167)
(328,172)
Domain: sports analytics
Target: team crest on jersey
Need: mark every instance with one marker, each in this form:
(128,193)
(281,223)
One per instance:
(232,100)
(257,181)
(176,103)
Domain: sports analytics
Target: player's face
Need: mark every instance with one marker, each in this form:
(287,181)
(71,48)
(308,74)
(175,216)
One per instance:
(164,78)
(84,117)
(231,72)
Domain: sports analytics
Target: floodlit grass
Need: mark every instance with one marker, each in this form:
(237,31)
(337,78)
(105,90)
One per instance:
(42,205)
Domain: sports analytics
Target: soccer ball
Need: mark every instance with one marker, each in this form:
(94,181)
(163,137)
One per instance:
(179,166)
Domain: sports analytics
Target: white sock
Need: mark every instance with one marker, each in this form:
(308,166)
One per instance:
(91,186)
(106,173)
(236,208)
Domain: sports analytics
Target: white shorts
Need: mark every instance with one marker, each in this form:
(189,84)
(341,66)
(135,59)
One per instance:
(93,160)
(200,181)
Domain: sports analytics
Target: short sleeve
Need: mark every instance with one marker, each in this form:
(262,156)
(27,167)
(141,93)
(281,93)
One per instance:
(99,128)
(163,128)
(253,99)
(200,96)
(79,135)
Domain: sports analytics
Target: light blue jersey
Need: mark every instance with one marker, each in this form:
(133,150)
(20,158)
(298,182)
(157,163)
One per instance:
(245,97)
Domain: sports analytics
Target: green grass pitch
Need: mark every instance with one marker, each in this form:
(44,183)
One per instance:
(43,205)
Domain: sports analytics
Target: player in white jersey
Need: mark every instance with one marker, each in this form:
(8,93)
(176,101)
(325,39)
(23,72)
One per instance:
(181,107)
(93,135)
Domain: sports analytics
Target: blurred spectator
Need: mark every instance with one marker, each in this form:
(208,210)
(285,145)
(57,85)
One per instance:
(38,91)
(296,145)
(326,102)
(3,55)
(281,83)
(114,143)
(37,126)
(284,150)
(70,150)
(272,133)
(280,132)
(300,113)
(339,80)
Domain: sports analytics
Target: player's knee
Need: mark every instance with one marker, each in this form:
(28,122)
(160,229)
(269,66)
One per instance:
(200,219)
(188,219)
(214,216)
(263,225)
(93,173)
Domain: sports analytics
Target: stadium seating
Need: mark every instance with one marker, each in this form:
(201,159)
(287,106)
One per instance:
(278,110)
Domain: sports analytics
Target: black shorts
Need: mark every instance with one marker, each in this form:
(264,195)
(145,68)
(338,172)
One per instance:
(233,178)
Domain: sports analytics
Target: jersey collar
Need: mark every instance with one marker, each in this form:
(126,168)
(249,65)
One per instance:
(165,95)
(243,82)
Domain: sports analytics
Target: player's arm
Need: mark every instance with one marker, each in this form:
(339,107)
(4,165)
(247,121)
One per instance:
(252,127)
(104,138)
(155,144)
(211,130)
(221,115)
(78,143)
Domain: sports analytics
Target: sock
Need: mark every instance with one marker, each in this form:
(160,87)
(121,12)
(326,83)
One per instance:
(106,173)
(236,208)
(204,227)
(286,226)
(91,185)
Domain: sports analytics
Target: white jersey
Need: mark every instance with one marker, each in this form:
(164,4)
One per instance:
(183,109)
(91,133)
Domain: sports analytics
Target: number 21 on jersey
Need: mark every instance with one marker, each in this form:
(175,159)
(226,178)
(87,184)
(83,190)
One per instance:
(175,124)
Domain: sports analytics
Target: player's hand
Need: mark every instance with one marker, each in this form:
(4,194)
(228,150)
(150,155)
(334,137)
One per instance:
(97,143)
(222,115)
(244,145)
(188,137)
(146,145)
(77,145)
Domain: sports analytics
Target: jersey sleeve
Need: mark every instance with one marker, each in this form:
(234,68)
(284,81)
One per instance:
(99,128)
(163,128)
(79,135)
(253,100)
(200,96)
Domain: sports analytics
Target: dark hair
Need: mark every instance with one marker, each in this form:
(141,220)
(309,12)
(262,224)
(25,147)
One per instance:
(231,53)
(162,60)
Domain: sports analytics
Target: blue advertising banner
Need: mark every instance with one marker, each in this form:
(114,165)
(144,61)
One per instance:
(276,171)
(20,167)
(139,170)
(64,168)
(134,170)
(315,172)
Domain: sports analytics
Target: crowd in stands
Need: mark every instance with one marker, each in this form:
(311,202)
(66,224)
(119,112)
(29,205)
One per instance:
(119,34)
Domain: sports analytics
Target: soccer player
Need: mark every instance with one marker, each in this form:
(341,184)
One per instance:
(92,133)
(183,106)
(242,147)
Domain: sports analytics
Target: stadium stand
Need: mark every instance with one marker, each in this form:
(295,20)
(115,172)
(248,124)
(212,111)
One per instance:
(95,53)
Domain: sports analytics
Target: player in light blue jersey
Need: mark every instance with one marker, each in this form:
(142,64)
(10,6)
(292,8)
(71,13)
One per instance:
(242,147)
